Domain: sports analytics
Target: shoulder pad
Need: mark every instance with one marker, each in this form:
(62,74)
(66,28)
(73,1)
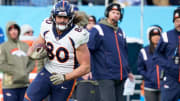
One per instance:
(46,25)
(80,36)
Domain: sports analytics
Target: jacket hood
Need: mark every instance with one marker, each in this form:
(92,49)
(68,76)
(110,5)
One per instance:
(25,28)
(105,22)
(9,24)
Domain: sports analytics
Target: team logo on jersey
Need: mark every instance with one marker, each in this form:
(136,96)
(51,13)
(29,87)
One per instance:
(120,34)
(18,52)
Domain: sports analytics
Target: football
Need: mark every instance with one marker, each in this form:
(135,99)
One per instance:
(40,51)
(38,47)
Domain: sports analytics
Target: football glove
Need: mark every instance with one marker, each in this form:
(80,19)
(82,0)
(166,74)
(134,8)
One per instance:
(57,78)
(39,52)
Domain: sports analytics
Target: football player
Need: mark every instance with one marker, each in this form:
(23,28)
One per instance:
(66,50)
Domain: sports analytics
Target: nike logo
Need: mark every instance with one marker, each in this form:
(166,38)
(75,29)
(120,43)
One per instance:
(8,94)
(166,86)
(62,87)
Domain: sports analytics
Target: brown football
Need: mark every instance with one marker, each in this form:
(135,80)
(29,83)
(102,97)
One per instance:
(39,46)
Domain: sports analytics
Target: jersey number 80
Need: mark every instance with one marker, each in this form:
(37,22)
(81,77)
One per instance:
(59,51)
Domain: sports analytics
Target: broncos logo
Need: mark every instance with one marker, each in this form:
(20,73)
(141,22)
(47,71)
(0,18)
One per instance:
(18,52)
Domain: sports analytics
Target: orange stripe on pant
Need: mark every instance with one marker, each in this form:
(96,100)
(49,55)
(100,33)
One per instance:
(71,90)
(25,96)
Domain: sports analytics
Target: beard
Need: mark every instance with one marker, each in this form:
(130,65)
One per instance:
(61,26)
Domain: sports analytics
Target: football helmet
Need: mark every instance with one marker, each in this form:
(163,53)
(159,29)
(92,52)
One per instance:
(39,52)
(63,8)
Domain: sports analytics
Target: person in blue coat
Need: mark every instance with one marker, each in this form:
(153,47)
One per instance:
(148,68)
(167,55)
(1,36)
(108,48)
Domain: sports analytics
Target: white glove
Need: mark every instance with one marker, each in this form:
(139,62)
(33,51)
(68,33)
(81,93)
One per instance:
(57,78)
(38,53)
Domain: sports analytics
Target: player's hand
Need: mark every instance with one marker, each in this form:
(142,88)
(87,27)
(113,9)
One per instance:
(30,51)
(38,52)
(131,77)
(57,78)
(87,76)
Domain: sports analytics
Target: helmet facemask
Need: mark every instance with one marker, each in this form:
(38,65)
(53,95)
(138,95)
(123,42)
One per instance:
(62,26)
(63,9)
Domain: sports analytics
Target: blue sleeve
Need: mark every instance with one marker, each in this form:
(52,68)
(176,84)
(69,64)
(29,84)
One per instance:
(1,36)
(160,55)
(126,55)
(94,40)
(141,67)
(126,48)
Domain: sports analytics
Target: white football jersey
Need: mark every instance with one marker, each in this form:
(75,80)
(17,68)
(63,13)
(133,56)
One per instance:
(62,50)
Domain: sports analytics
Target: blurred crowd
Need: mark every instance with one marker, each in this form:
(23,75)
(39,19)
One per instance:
(90,2)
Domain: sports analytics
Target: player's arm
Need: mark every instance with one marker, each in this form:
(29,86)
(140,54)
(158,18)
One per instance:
(39,40)
(83,58)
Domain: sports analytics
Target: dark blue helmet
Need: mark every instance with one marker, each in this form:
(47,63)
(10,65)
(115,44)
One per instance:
(63,8)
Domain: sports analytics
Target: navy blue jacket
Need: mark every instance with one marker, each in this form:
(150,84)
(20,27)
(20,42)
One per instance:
(108,53)
(165,52)
(1,36)
(149,69)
